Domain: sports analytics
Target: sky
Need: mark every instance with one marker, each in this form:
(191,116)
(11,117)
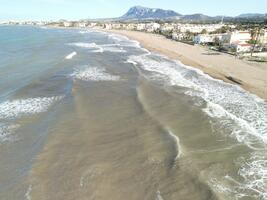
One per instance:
(90,9)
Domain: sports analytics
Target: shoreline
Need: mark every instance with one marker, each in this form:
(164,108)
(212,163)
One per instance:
(249,76)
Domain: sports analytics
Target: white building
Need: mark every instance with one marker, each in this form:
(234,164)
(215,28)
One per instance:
(236,37)
(141,27)
(108,26)
(209,38)
(167,27)
(82,24)
(204,39)
(152,27)
(263,37)
(116,26)
(178,36)
(67,24)
(242,47)
(131,27)
(93,24)
(198,28)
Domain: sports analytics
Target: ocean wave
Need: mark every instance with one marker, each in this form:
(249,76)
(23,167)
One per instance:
(6,130)
(71,55)
(254,172)
(118,37)
(126,42)
(94,74)
(232,109)
(84,45)
(28,193)
(114,49)
(22,107)
(254,179)
(100,48)
(93,31)
(223,100)
(159,197)
(85,31)
(178,147)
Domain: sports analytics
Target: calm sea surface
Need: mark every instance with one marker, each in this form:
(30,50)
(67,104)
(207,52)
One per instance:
(93,115)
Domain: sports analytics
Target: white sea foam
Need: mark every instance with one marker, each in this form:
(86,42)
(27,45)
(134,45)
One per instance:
(118,37)
(94,74)
(131,62)
(22,107)
(223,100)
(159,197)
(100,48)
(177,144)
(28,193)
(84,45)
(85,31)
(254,172)
(70,56)
(81,181)
(164,69)
(241,114)
(254,175)
(114,49)
(6,131)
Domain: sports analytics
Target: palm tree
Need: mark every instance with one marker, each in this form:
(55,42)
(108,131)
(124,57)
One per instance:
(255,34)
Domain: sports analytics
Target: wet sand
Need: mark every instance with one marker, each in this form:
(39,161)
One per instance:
(251,76)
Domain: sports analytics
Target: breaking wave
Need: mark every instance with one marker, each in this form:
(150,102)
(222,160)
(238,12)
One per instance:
(239,113)
(6,131)
(177,144)
(100,48)
(22,107)
(223,100)
(94,74)
(70,56)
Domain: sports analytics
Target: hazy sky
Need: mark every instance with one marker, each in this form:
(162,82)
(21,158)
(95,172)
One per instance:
(83,9)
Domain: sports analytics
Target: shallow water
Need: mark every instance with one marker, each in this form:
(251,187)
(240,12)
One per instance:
(92,115)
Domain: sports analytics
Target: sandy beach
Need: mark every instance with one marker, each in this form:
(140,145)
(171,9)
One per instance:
(250,76)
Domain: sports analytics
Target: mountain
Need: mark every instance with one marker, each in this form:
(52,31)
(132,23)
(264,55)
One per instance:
(252,15)
(196,17)
(144,13)
(139,12)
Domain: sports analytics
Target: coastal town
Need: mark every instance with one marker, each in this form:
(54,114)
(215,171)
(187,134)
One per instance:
(229,38)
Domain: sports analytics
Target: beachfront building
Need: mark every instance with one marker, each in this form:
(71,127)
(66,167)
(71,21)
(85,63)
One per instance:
(167,27)
(178,36)
(141,27)
(237,40)
(82,24)
(93,24)
(68,24)
(241,47)
(198,28)
(204,39)
(131,26)
(263,37)
(209,38)
(107,26)
(236,37)
(116,26)
(152,27)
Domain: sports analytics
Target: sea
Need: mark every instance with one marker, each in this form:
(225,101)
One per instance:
(86,114)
